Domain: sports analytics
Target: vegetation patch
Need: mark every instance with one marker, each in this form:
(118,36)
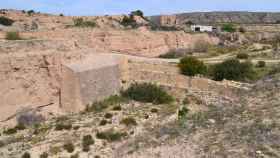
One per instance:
(6,21)
(233,69)
(228,28)
(69,147)
(191,66)
(111,135)
(100,106)
(147,92)
(44,155)
(80,22)
(242,56)
(63,126)
(26,155)
(129,121)
(87,142)
(13,36)
(14,130)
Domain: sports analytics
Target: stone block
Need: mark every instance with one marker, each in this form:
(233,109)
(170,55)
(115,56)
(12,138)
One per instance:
(88,81)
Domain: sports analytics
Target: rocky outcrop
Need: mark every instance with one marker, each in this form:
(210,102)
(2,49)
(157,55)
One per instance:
(218,17)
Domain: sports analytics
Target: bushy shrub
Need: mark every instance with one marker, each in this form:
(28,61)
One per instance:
(103,122)
(228,28)
(30,12)
(242,56)
(87,142)
(242,30)
(79,22)
(232,69)
(261,64)
(26,155)
(174,53)
(6,21)
(182,115)
(129,121)
(99,106)
(44,155)
(147,92)
(63,126)
(69,147)
(137,13)
(108,115)
(154,110)
(14,130)
(117,108)
(129,21)
(12,36)
(110,135)
(191,66)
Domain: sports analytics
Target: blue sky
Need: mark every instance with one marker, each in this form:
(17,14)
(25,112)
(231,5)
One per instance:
(150,7)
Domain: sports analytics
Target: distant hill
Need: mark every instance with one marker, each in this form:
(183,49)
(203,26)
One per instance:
(218,17)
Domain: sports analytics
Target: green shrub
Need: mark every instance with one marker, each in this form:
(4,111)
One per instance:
(69,147)
(242,56)
(13,36)
(129,121)
(100,106)
(182,115)
(87,142)
(14,130)
(110,135)
(137,13)
(44,155)
(6,21)
(147,92)
(242,30)
(30,12)
(154,110)
(129,21)
(191,66)
(117,108)
(63,126)
(26,155)
(232,69)
(79,22)
(108,115)
(275,70)
(261,64)
(61,14)
(103,122)
(228,28)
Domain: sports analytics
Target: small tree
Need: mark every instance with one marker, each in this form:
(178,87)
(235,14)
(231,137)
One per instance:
(137,13)
(191,66)
(30,12)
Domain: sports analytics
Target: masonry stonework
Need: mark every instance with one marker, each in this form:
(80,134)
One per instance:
(89,81)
